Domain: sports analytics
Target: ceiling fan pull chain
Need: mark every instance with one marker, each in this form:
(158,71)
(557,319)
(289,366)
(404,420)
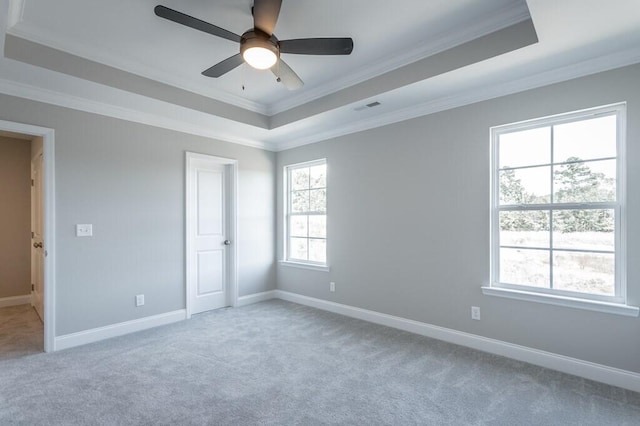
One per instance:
(244,70)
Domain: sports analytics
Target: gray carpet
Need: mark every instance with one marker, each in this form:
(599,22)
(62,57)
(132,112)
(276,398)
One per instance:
(21,332)
(278,363)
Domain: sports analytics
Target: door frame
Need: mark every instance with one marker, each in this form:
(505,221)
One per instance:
(48,221)
(232,230)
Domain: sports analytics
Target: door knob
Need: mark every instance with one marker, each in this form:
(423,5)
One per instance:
(37,245)
(227,242)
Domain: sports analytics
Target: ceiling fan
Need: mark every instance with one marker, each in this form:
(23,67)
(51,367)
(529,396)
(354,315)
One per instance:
(259,47)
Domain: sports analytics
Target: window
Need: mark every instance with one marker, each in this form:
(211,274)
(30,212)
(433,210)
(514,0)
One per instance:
(306,213)
(558,206)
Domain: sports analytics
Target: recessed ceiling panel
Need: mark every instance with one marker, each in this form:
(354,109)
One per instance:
(129,36)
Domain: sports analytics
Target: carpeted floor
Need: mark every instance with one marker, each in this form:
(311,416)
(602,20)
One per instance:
(278,363)
(21,332)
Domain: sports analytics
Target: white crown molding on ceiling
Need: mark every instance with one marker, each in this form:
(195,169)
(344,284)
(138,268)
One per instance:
(79,48)
(488,24)
(91,97)
(581,69)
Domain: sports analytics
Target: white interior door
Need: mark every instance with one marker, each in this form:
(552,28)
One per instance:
(208,233)
(37,240)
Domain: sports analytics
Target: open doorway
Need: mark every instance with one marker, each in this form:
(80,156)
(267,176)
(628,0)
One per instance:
(27,285)
(21,326)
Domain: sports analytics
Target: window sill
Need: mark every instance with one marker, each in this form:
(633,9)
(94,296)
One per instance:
(301,265)
(570,302)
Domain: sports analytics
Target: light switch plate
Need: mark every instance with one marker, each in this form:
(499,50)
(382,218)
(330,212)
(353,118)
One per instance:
(84,230)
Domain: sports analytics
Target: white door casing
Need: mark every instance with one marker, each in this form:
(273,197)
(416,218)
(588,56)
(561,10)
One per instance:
(48,219)
(210,232)
(37,239)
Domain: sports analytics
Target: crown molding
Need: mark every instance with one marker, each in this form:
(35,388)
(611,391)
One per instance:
(569,72)
(78,48)
(139,115)
(161,114)
(492,22)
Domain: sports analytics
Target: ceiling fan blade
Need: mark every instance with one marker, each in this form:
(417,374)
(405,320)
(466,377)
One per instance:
(317,46)
(195,23)
(224,67)
(265,14)
(286,75)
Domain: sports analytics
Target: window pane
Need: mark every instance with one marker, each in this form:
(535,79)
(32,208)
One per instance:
(584,272)
(300,178)
(525,228)
(299,201)
(298,226)
(298,248)
(319,176)
(525,148)
(525,186)
(585,139)
(318,250)
(318,200)
(318,226)
(524,267)
(585,182)
(584,229)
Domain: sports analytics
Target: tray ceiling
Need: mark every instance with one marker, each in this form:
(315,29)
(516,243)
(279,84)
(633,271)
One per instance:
(412,56)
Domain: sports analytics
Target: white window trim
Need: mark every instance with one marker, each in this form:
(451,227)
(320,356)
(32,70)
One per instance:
(616,304)
(302,265)
(317,266)
(569,302)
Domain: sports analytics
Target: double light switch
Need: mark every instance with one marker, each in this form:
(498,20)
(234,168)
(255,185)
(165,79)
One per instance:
(84,230)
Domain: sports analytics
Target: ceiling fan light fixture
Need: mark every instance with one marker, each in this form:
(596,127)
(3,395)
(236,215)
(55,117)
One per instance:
(259,50)
(260,58)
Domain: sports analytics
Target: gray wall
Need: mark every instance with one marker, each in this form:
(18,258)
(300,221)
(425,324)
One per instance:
(127,180)
(408,223)
(15,217)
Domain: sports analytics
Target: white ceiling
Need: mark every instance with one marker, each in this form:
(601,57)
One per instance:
(576,37)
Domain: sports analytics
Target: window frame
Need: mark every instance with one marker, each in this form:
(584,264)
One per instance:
(550,295)
(287,260)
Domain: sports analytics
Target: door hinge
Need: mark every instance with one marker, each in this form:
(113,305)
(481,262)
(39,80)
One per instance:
(32,234)
(33,287)
(32,182)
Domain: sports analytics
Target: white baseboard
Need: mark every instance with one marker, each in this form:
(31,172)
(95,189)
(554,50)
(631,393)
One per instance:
(588,370)
(101,333)
(15,300)
(256,297)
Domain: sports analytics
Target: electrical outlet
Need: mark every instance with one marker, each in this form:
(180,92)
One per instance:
(332,286)
(140,300)
(475,313)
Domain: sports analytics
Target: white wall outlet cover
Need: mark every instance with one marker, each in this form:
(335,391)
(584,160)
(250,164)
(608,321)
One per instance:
(475,313)
(84,230)
(139,299)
